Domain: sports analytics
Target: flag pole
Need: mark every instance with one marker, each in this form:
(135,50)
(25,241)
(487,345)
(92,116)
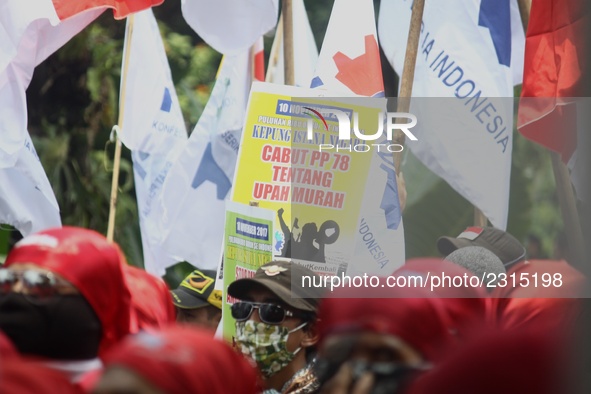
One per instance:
(275,48)
(117,158)
(408,72)
(406,83)
(564,188)
(287,14)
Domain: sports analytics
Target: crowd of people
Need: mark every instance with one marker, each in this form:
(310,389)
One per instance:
(76,318)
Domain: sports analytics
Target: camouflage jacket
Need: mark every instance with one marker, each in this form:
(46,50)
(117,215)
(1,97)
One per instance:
(303,382)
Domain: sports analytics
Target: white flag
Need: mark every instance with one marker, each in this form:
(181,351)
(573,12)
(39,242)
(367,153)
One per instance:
(230,26)
(305,51)
(153,129)
(192,208)
(30,31)
(350,57)
(349,62)
(27,201)
(467,138)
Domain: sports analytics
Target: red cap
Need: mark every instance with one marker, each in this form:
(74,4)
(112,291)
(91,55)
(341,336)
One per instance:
(408,314)
(92,264)
(181,359)
(151,302)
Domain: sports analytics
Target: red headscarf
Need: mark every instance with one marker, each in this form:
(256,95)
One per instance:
(7,349)
(537,305)
(181,359)
(509,363)
(21,377)
(408,314)
(151,301)
(92,264)
(466,306)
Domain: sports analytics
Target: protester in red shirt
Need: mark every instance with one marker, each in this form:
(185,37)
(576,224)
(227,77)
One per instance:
(151,302)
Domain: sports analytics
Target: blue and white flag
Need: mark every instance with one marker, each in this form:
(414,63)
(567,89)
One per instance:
(191,211)
(349,64)
(153,129)
(470,52)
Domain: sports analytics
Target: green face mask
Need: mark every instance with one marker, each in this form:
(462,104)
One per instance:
(266,344)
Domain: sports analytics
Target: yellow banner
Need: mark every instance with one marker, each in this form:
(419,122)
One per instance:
(315,185)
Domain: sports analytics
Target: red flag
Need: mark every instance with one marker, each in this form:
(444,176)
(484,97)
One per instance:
(121,8)
(553,74)
(258,50)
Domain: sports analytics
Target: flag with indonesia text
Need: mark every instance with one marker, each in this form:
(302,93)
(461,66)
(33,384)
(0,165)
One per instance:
(191,210)
(153,129)
(349,63)
(472,64)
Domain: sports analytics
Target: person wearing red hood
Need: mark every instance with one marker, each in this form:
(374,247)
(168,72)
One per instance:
(546,296)
(64,299)
(466,306)
(22,377)
(517,362)
(176,360)
(151,303)
(377,339)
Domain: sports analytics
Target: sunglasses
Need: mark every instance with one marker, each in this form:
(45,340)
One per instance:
(268,313)
(35,283)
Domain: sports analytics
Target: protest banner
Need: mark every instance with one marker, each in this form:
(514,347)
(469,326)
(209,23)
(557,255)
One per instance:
(247,246)
(315,185)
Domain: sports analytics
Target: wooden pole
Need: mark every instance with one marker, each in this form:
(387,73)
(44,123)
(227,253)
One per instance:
(408,72)
(117,159)
(564,188)
(275,49)
(287,13)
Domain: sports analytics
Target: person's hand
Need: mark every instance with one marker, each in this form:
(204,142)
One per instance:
(342,382)
(280,211)
(401,183)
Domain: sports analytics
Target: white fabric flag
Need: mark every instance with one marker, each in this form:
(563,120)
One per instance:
(305,51)
(191,211)
(30,31)
(153,129)
(467,138)
(349,62)
(230,26)
(27,201)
